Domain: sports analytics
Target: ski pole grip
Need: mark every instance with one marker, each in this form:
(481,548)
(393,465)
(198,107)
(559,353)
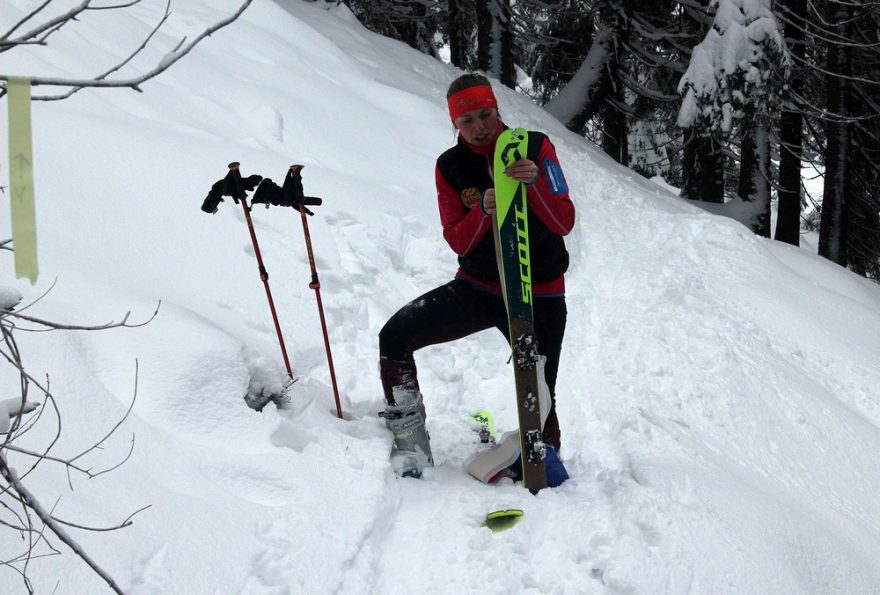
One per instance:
(292,190)
(234,183)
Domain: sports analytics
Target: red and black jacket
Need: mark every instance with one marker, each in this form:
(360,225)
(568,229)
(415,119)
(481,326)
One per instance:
(463,173)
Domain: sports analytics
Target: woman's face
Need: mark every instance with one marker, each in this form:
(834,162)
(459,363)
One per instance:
(478,126)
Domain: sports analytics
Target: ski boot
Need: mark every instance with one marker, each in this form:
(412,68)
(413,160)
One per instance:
(411,451)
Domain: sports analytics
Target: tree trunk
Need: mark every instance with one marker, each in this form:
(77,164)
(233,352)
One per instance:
(835,196)
(458,45)
(504,37)
(833,223)
(702,168)
(690,165)
(754,175)
(791,136)
(615,141)
(495,40)
(484,35)
(863,159)
(712,171)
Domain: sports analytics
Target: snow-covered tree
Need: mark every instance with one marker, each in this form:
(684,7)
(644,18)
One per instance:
(585,93)
(495,40)
(414,22)
(730,87)
(730,71)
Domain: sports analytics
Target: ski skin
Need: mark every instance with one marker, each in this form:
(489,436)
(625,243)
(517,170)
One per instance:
(510,224)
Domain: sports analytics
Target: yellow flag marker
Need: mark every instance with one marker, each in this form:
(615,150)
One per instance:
(21,179)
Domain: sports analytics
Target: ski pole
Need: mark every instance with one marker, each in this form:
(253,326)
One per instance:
(236,187)
(291,182)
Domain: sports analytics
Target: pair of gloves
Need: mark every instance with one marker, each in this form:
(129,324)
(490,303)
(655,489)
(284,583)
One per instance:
(268,192)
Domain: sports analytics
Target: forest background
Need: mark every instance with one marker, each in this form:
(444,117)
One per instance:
(750,104)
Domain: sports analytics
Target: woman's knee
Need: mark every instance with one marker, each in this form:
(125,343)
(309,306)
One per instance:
(393,339)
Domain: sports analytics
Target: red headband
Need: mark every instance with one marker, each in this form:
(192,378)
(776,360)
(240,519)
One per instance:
(470,99)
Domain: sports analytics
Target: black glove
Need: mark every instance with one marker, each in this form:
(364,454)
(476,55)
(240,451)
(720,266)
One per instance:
(215,196)
(228,187)
(251,182)
(291,195)
(268,193)
(293,190)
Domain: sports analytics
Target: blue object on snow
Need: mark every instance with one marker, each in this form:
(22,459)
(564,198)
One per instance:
(553,468)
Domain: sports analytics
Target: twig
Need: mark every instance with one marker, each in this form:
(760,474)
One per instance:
(118,423)
(73,327)
(126,523)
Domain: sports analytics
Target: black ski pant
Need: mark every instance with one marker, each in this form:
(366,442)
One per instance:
(456,310)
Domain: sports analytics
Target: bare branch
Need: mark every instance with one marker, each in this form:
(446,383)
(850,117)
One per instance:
(22,511)
(33,503)
(70,327)
(101,81)
(140,48)
(69,16)
(126,523)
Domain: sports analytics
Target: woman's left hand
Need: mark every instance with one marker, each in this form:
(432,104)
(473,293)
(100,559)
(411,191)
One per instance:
(524,170)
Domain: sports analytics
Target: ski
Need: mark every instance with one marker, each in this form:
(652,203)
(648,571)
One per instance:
(511,225)
(502,520)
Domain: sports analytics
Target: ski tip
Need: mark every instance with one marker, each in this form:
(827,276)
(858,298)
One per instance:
(501,520)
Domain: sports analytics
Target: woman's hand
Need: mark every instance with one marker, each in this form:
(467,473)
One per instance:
(487,202)
(524,170)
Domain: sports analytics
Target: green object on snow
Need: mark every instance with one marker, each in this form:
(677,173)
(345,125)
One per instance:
(485,419)
(501,520)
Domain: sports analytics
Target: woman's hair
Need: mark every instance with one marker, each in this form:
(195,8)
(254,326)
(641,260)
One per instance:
(466,81)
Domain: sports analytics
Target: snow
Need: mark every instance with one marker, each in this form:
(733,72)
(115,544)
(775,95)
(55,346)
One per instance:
(718,392)
(9,298)
(11,408)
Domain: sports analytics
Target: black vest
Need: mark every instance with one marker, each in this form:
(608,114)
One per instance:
(465,170)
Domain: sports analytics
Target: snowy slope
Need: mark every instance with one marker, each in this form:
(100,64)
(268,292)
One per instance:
(718,393)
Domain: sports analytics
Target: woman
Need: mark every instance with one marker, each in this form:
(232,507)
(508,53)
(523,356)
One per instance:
(472,301)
